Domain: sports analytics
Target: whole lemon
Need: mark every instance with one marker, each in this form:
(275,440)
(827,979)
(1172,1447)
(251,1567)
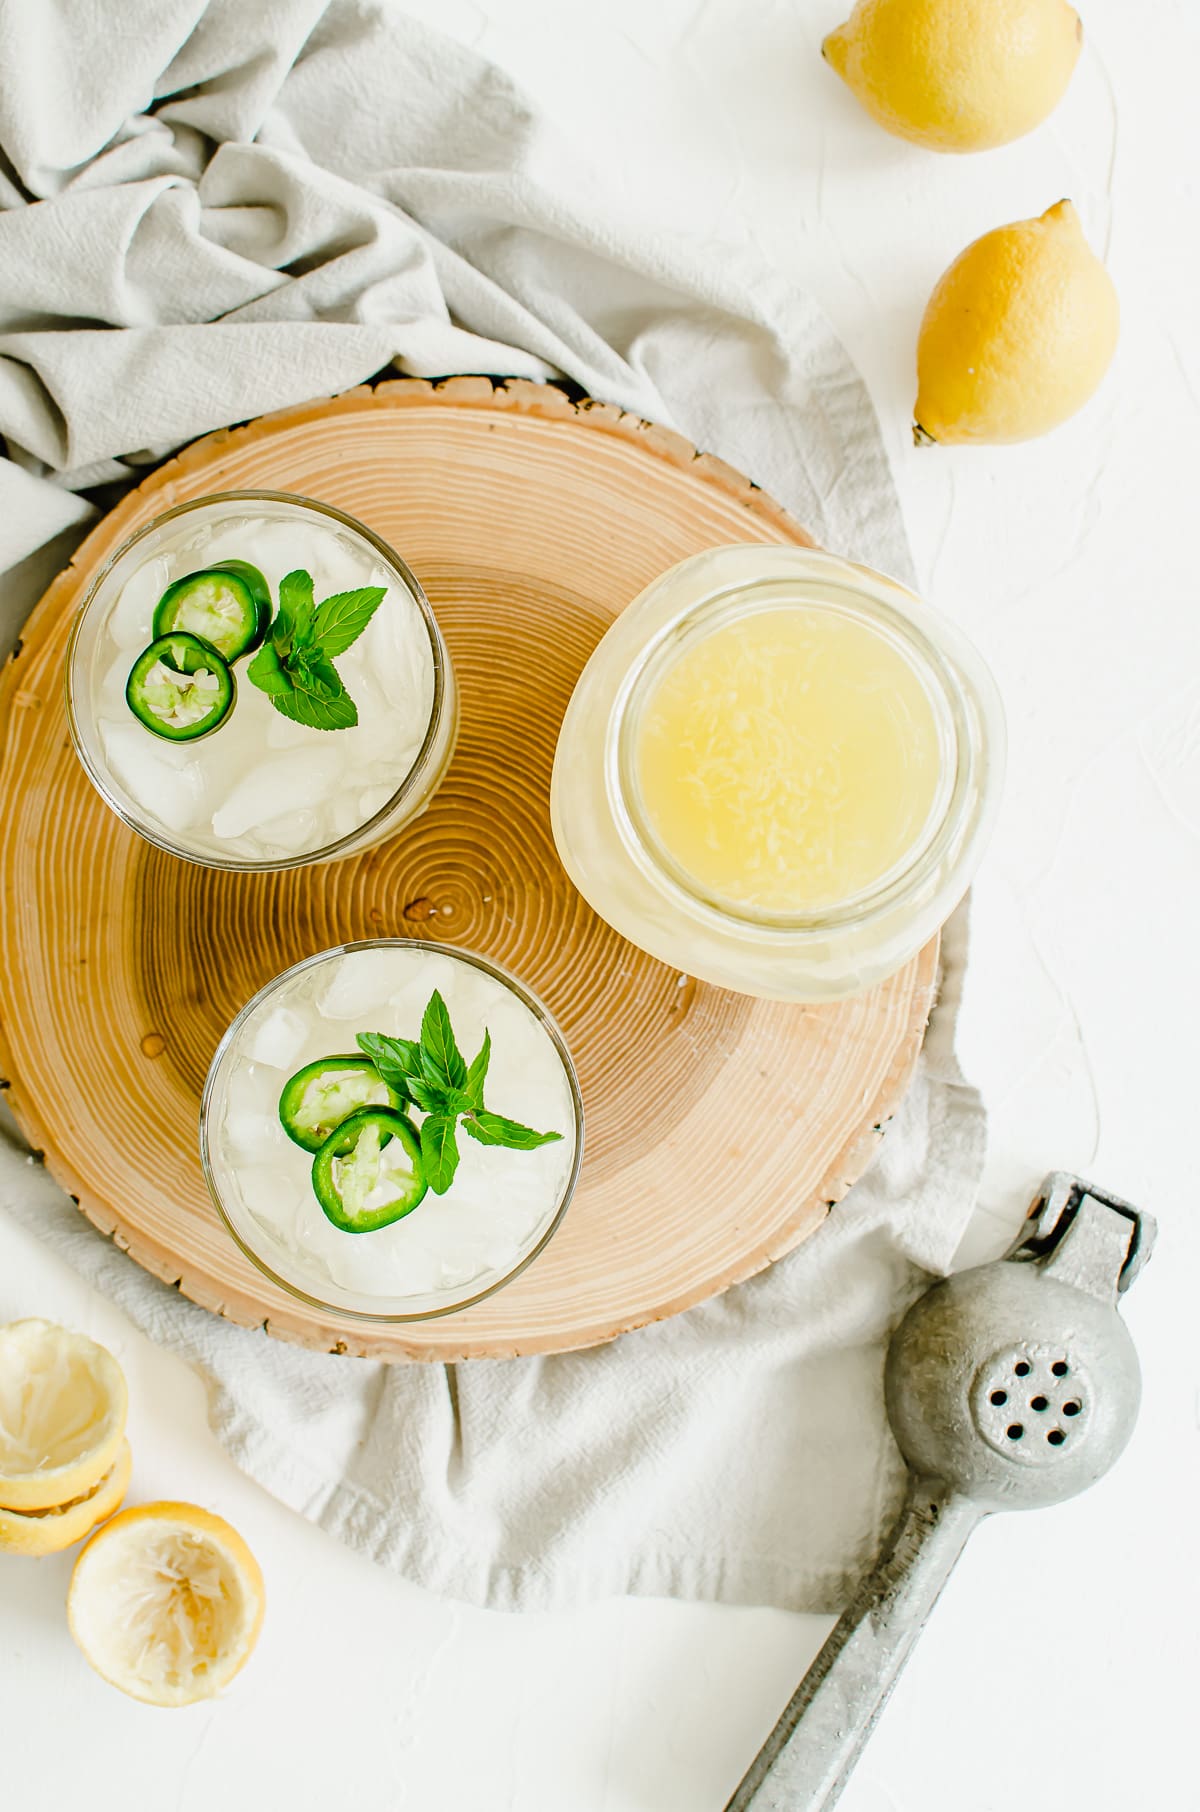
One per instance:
(1017,335)
(957,75)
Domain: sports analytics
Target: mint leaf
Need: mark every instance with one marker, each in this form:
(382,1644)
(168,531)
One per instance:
(396,1059)
(494,1129)
(439,1151)
(268,672)
(297,606)
(441,1058)
(404,1053)
(306,706)
(342,618)
(477,1074)
(429,1097)
(310,669)
(432,1098)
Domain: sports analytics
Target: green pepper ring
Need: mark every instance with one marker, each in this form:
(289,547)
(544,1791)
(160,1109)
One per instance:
(343,1141)
(248,583)
(188,655)
(293,1093)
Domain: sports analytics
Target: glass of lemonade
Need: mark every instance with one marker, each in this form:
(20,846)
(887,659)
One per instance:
(778,772)
(348,734)
(326,1152)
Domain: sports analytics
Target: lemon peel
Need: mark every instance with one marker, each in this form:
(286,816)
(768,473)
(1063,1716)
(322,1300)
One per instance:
(34,1533)
(166,1602)
(63,1404)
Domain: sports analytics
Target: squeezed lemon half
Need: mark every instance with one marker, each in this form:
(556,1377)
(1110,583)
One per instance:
(63,1403)
(49,1531)
(166,1602)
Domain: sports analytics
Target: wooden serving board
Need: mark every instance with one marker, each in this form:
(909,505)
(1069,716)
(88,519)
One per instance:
(720,1130)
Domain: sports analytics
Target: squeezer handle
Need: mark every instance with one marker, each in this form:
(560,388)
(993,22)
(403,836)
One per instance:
(805,1762)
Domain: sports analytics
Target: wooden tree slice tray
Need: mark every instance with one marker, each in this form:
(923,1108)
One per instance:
(530,521)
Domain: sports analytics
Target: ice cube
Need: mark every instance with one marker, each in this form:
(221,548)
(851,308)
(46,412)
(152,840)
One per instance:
(254,1089)
(372,801)
(273,1195)
(252,1133)
(164,783)
(396,638)
(345,816)
(279,1039)
(389,673)
(359,985)
(130,624)
(384,739)
(282,733)
(378,773)
(110,694)
(272,546)
(420,977)
(293,832)
(260,1190)
(308,776)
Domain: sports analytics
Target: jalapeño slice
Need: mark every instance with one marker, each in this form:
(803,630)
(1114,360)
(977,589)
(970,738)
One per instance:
(369,1172)
(319,1097)
(180,687)
(228,606)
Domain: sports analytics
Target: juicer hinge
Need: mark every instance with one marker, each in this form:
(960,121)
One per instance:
(1056,1208)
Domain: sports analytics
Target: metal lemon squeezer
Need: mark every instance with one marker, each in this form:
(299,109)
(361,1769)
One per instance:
(1008,1387)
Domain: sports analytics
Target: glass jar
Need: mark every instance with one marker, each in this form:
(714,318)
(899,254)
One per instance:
(451,1250)
(176,794)
(612,850)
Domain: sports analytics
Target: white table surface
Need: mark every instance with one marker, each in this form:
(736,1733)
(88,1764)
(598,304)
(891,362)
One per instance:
(1061,1668)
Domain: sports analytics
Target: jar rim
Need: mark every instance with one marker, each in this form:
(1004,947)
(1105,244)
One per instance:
(161,839)
(848,590)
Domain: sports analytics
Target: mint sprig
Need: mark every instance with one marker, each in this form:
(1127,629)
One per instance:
(432,1073)
(294,666)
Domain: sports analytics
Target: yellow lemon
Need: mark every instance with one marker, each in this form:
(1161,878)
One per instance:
(37,1532)
(1017,335)
(957,75)
(166,1602)
(63,1403)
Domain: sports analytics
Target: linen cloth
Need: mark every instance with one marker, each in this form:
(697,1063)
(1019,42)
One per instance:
(209,211)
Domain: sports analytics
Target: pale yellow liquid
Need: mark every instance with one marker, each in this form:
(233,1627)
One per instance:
(788,760)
